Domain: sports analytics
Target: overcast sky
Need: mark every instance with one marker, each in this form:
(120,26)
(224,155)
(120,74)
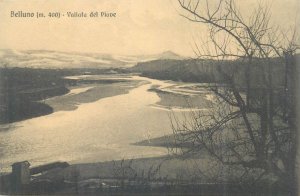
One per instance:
(141,26)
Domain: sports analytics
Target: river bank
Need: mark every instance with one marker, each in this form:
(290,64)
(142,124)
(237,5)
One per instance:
(87,91)
(23,91)
(167,175)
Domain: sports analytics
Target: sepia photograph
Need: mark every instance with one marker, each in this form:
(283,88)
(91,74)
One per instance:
(150,97)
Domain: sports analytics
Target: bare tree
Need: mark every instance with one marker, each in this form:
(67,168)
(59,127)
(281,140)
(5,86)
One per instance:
(253,122)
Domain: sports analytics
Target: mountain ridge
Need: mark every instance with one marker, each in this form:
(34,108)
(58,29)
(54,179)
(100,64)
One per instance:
(57,59)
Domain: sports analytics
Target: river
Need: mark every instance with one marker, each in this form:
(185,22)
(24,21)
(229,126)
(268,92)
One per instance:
(98,131)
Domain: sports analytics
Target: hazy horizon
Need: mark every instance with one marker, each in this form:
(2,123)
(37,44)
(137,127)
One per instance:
(91,52)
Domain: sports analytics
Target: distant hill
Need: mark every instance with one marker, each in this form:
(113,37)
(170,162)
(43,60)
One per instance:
(196,70)
(56,59)
(188,70)
(167,55)
(170,55)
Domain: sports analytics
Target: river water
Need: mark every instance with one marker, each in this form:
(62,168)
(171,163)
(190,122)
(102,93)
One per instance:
(99,131)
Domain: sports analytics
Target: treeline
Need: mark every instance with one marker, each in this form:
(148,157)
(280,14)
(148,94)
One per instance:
(209,71)
(22,88)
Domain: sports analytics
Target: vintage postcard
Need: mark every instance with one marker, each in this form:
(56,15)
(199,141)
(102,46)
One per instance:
(149,97)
